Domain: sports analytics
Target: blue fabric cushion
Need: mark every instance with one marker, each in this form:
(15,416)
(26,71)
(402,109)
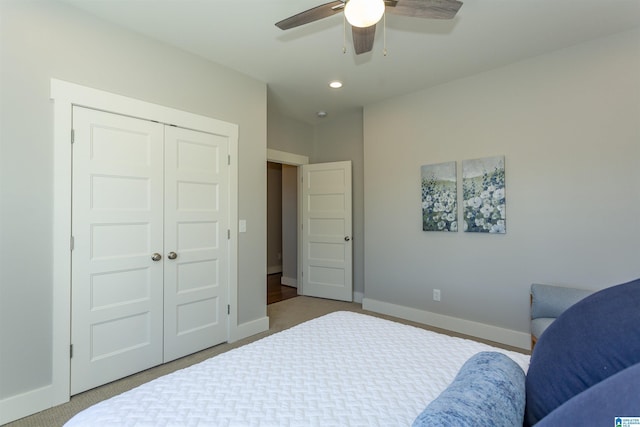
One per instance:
(592,340)
(617,396)
(551,301)
(488,391)
(539,325)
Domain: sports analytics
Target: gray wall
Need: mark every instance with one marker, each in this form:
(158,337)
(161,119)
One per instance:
(568,124)
(287,134)
(41,40)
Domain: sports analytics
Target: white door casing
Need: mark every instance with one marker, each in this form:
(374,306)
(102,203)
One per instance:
(65,95)
(117,225)
(196,227)
(326,230)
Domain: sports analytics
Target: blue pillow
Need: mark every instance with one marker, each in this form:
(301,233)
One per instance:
(617,396)
(488,391)
(592,340)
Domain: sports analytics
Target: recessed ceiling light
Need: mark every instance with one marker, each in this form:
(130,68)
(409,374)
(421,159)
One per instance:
(321,114)
(336,84)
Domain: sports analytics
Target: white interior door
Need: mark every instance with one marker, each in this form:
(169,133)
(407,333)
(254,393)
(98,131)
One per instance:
(117,226)
(150,263)
(196,241)
(327,263)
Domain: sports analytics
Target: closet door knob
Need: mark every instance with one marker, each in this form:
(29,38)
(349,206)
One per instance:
(156,257)
(172,255)
(347,238)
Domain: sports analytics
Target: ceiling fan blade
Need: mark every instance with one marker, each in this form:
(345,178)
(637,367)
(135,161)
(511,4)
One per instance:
(363,38)
(430,9)
(314,14)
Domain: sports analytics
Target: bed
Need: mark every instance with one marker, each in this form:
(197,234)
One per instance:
(341,369)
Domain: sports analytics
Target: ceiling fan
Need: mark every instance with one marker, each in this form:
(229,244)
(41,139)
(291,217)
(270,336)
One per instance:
(363,15)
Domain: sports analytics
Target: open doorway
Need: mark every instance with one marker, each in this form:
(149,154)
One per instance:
(282,238)
(323,248)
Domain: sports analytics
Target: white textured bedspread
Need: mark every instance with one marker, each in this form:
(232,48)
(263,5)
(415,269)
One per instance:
(342,369)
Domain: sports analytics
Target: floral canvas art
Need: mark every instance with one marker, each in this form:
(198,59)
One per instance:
(483,195)
(439,197)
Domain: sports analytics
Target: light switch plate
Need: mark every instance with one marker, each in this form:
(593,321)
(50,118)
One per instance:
(242,225)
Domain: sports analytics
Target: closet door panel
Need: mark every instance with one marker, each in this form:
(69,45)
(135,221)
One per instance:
(117,224)
(196,224)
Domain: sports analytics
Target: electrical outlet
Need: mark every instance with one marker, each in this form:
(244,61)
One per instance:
(436,294)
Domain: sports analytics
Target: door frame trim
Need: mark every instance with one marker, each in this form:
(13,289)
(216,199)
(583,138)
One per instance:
(285,158)
(66,95)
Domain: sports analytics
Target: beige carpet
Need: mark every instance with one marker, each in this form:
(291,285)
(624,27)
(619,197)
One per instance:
(282,315)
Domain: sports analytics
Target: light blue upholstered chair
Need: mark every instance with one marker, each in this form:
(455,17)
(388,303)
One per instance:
(548,302)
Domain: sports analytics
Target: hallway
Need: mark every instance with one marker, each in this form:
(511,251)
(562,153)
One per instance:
(277,292)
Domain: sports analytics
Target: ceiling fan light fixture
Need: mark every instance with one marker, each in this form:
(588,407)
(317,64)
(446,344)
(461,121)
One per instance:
(364,13)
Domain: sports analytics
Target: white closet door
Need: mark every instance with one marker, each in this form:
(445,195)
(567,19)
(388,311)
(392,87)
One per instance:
(196,242)
(117,226)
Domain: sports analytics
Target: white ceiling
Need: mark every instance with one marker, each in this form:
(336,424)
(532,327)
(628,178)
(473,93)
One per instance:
(297,64)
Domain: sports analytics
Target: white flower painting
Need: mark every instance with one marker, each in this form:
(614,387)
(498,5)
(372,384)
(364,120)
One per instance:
(439,197)
(483,195)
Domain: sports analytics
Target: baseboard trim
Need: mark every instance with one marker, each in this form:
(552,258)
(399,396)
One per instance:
(273,269)
(358,297)
(480,330)
(289,281)
(251,328)
(25,404)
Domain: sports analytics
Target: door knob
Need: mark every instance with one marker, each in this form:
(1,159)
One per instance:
(346,238)
(156,257)
(172,255)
